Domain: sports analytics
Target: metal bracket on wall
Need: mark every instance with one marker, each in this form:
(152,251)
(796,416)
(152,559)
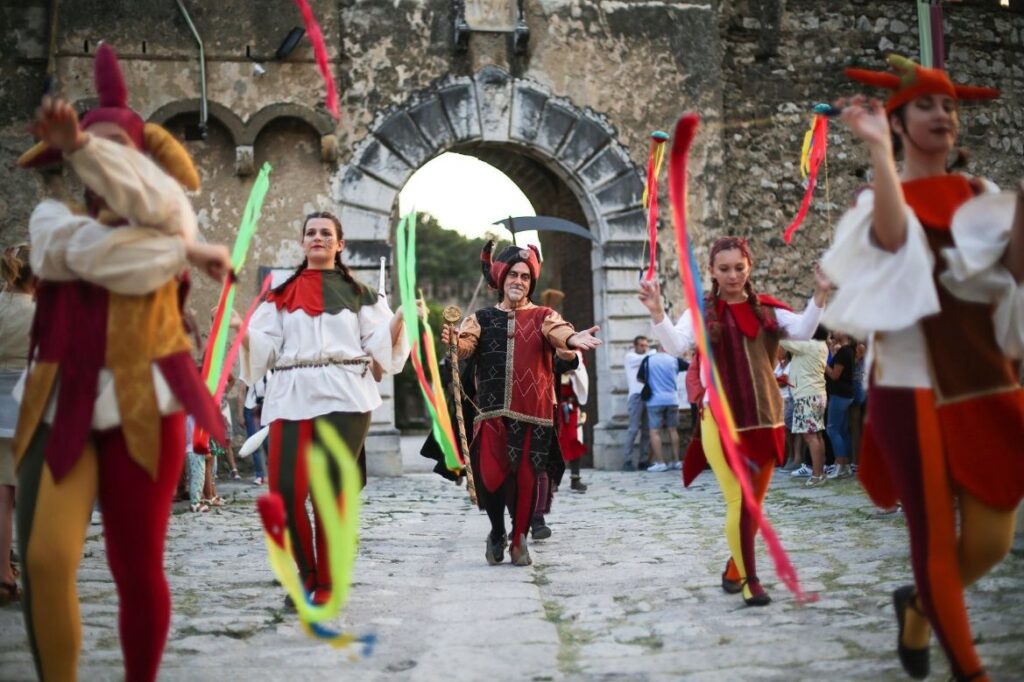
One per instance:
(519,31)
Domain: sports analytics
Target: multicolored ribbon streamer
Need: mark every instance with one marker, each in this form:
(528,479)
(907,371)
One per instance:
(685,131)
(216,345)
(423,344)
(812,155)
(931,40)
(316,37)
(650,199)
(232,354)
(340,521)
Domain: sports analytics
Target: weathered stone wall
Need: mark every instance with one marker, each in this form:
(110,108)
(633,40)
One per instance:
(782,56)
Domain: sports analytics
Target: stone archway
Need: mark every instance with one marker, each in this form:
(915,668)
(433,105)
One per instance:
(508,121)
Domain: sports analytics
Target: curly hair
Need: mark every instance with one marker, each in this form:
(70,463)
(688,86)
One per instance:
(711,300)
(338,265)
(15,270)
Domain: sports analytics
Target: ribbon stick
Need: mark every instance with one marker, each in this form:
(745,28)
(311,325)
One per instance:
(685,131)
(423,351)
(216,344)
(316,37)
(650,199)
(341,527)
(924,32)
(232,353)
(812,155)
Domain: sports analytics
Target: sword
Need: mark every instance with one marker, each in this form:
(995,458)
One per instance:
(452,314)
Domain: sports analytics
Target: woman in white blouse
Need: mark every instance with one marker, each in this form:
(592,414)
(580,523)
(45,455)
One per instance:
(326,336)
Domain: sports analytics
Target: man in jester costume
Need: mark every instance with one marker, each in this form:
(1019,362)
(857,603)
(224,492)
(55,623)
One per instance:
(111,372)
(515,343)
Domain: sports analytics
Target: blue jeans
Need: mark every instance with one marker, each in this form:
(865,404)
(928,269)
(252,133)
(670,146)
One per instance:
(251,427)
(637,424)
(838,425)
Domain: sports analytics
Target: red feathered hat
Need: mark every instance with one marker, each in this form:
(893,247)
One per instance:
(113,108)
(913,80)
(495,270)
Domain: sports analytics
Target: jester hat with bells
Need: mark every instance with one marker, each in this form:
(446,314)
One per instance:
(495,270)
(113,107)
(912,80)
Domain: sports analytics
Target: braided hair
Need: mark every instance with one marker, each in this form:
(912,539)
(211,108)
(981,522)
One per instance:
(338,265)
(711,299)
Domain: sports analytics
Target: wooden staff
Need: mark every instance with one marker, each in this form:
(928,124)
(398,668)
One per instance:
(452,314)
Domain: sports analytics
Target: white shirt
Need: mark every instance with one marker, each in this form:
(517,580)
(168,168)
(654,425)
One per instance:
(632,366)
(282,338)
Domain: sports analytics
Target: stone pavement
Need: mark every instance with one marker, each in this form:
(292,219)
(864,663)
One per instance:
(626,588)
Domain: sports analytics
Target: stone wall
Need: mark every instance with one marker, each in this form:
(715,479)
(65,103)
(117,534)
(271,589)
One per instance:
(782,56)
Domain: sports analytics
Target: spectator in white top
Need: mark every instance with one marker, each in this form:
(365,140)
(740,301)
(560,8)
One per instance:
(635,405)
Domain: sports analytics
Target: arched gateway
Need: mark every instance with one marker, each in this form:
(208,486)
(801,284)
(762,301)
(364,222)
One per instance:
(567,161)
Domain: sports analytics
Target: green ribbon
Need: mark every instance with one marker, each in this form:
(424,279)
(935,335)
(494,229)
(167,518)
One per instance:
(246,230)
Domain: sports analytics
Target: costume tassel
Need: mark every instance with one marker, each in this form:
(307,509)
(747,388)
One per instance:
(811,157)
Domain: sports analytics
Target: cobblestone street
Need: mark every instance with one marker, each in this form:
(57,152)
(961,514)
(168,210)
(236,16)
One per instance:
(626,588)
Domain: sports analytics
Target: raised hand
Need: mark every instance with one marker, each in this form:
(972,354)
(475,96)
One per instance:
(585,340)
(650,296)
(56,124)
(867,119)
(822,286)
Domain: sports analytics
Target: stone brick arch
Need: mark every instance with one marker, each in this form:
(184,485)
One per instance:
(228,118)
(495,116)
(491,112)
(318,121)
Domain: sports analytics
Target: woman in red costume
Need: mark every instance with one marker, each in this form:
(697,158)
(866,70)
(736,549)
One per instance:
(929,261)
(745,328)
(110,375)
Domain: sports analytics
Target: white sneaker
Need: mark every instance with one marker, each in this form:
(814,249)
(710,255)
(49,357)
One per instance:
(840,472)
(655,468)
(830,469)
(803,472)
(676,465)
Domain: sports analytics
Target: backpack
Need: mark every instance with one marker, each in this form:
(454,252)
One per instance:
(641,375)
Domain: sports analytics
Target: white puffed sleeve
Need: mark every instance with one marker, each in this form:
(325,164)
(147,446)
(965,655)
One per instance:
(266,337)
(375,337)
(877,290)
(678,339)
(981,234)
(800,326)
(50,229)
(134,187)
(126,260)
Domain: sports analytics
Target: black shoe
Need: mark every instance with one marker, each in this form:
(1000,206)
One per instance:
(758,597)
(642,466)
(495,551)
(539,530)
(914,661)
(628,466)
(578,485)
(730,586)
